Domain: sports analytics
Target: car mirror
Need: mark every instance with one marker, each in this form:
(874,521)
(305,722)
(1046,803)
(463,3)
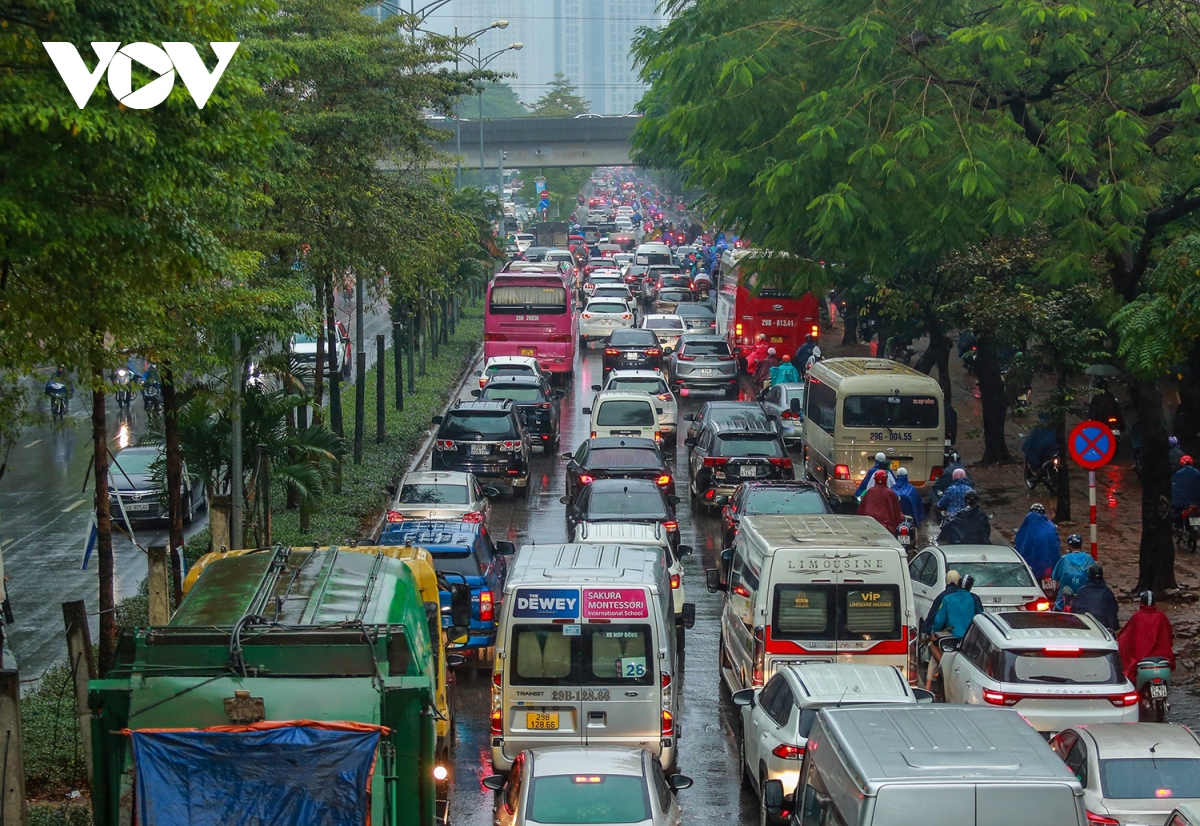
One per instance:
(834,503)
(922,695)
(673,499)
(477,393)
(596,388)
(436,420)
(720,500)
(948,644)
(712,580)
(566,457)
(495,782)
(505,548)
(491,492)
(689,441)
(587,411)
(679,782)
(727,555)
(477,373)
(772,794)
(745,697)
(566,500)
(560,394)
(390,490)
(685,550)
(794,405)
(689,417)
(455,660)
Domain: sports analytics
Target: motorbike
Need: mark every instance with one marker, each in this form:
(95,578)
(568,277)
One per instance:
(906,533)
(1116,424)
(901,351)
(969,357)
(1022,403)
(1153,681)
(57,391)
(1186,529)
(1047,474)
(152,398)
(124,383)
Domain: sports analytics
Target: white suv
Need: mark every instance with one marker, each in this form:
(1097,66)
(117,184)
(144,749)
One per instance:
(1056,669)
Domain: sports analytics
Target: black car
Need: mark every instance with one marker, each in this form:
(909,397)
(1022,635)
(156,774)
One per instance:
(729,453)
(137,487)
(536,402)
(724,411)
(623,500)
(697,318)
(484,438)
(768,497)
(617,457)
(632,349)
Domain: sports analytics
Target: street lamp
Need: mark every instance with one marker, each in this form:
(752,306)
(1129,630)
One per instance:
(416,17)
(470,38)
(479,63)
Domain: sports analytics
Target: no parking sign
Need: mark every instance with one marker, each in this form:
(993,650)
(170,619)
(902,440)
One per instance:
(1092,444)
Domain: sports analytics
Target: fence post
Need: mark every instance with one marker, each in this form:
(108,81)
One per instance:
(13,811)
(157,585)
(83,668)
(264,495)
(380,391)
(398,358)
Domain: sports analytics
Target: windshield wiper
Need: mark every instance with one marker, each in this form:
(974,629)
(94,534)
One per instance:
(1047,678)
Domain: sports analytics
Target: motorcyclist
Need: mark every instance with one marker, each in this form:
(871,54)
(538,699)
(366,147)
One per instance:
(1070,572)
(868,481)
(61,376)
(757,354)
(805,350)
(1097,599)
(1104,407)
(1147,634)
(953,618)
(947,478)
(813,359)
(954,499)
(762,373)
(881,503)
(910,499)
(1037,542)
(1041,445)
(1176,452)
(951,416)
(968,582)
(1185,486)
(968,526)
(786,372)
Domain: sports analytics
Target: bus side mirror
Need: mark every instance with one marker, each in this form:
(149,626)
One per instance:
(688,615)
(460,605)
(773,796)
(712,580)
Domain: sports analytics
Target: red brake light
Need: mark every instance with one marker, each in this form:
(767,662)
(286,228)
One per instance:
(671,525)
(741,591)
(674,582)
(544,406)
(654,351)
(664,397)
(788,752)
(1123,700)
(394,516)
(1060,651)
(611,351)
(841,472)
(663,480)
(715,461)
(487,611)
(585,315)
(1101,820)
(786,461)
(497,725)
(787,414)
(999,698)
(668,724)
(1040,604)
(584,479)
(666,679)
(473,517)
(626,316)
(935,473)
(760,656)
(446,444)
(682,357)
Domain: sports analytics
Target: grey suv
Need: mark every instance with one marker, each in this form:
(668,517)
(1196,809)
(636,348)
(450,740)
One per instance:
(726,454)
(486,438)
(703,362)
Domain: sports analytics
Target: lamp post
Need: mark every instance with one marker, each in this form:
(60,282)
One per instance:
(470,38)
(479,63)
(416,17)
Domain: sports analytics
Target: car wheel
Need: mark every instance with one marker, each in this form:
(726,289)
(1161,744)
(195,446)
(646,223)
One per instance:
(190,513)
(747,783)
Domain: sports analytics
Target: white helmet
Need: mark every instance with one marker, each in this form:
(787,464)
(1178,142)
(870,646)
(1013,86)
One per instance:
(879,457)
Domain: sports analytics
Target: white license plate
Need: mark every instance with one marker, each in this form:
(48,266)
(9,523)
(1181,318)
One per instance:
(480,450)
(1194,521)
(139,506)
(1157,691)
(630,356)
(607,322)
(706,372)
(751,470)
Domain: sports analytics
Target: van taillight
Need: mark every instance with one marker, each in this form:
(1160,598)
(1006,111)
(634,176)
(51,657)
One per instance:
(668,724)
(666,680)
(935,473)
(487,611)
(498,679)
(760,656)
(675,582)
(841,472)
(497,725)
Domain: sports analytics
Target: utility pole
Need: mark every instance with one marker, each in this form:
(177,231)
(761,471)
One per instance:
(236,497)
(380,391)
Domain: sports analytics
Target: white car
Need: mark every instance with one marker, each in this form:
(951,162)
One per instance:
(525,240)
(623,259)
(601,316)
(668,328)
(598,277)
(620,292)
(510,366)
(1057,670)
(441,495)
(652,383)
(1003,580)
(623,223)
(627,211)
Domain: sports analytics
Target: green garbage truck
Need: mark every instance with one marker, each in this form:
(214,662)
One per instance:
(292,686)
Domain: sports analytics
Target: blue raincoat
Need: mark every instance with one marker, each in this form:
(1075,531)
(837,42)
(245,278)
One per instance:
(1037,543)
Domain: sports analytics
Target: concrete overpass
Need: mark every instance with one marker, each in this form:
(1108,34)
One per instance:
(532,143)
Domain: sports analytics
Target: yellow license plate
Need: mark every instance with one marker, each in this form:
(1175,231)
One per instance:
(528,351)
(537,721)
(777,339)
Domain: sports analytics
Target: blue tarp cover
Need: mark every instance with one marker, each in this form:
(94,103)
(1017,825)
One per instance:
(293,775)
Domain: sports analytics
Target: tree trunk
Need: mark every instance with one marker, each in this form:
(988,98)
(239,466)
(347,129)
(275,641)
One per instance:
(318,371)
(335,385)
(993,402)
(943,367)
(849,325)
(174,479)
(1156,558)
(104,548)
(937,354)
(1062,510)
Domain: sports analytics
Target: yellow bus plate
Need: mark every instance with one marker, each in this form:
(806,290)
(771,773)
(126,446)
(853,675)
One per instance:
(536,721)
(528,351)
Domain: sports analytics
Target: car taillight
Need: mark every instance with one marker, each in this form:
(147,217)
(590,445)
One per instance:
(626,316)
(715,461)
(584,479)
(611,351)
(663,480)
(487,611)
(474,517)
(787,414)
(760,656)
(682,357)
(727,358)
(999,698)
(589,286)
(1124,700)
(935,473)
(544,406)
(1101,820)
(786,461)
(657,436)
(671,525)
(446,444)
(787,751)
(841,472)
(668,724)
(510,446)
(585,315)
(664,397)
(394,516)
(497,726)
(1040,604)
(654,351)
(675,579)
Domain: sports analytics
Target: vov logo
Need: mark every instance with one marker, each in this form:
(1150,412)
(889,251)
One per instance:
(118,60)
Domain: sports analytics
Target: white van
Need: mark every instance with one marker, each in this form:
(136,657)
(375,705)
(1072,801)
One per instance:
(651,253)
(585,654)
(624,413)
(929,765)
(817,588)
(855,408)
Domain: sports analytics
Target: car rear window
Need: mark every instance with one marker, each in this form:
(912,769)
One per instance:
(635,502)
(623,458)
(622,413)
(609,654)
(638,384)
(706,348)
(890,411)
(738,413)
(462,425)
(775,500)
(676,281)
(1062,665)
(433,495)
(664,324)
(750,444)
(509,370)
(1156,778)
(463,563)
(1022,620)
(606,307)
(517,393)
(676,296)
(632,338)
(828,611)
(996,574)
(603,798)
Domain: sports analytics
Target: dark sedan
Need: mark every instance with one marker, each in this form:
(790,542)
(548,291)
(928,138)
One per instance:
(137,487)
(617,457)
(536,402)
(769,497)
(729,411)
(632,349)
(623,500)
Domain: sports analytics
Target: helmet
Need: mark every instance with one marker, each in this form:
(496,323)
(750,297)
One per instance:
(1147,597)
(902,472)
(786,357)
(881,477)
(971,498)
(770,351)
(1038,507)
(952,577)
(1075,541)
(808,339)
(1173,442)
(959,473)
(1185,461)
(879,457)
(1101,384)
(817,353)
(1095,572)
(967,582)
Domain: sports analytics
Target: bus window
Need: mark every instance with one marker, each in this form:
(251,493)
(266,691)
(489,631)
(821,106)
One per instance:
(520,299)
(908,412)
(820,406)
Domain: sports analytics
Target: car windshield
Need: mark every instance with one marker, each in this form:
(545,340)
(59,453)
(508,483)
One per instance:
(461,425)
(609,654)
(621,413)
(1150,778)
(664,324)
(630,502)
(593,798)
(890,411)
(606,307)
(776,500)
(463,563)
(638,384)
(706,348)
(750,444)
(519,394)
(632,338)
(1063,665)
(421,494)
(623,458)
(133,463)
(996,574)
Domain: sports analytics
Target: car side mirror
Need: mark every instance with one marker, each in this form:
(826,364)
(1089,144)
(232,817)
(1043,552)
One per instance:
(566,500)
(455,660)
(390,490)
(745,697)
(587,411)
(436,420)
(596,388)
(689,441)
(773,796)
(477,393)
(922,695)
(679,782)
(834,504)
(720,500)
(560,394)
(712,580)
(794,405)
(673,499)
(491,492)
(477,373)
(948,644)
(566,457)
(505,548)
(688,615)
(685,550)
(495,782)
(689,417)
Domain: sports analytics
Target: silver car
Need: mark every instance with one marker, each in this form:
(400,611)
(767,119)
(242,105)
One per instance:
(600,317)
(703,362)
(1132,774)
(441,495)
(652,383)
(785,404)
(1003,580)
(587,784)
(667,327)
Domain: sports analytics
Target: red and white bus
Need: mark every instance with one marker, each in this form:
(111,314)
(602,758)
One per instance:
(530,315)
(746,306)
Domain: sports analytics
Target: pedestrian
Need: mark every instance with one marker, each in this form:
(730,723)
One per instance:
(1097,599)
(868,481)
(951,416)
(1147,634)
(954,499)
(786,372)
(805,350)
(968,526)
(762,374)
(1037,542)
(882,504)
(910,498)
(1070,572)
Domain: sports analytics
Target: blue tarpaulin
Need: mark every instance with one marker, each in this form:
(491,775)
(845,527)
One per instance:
(272,775)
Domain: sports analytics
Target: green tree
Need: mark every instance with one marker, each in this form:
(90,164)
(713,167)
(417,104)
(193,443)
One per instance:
(560,100)
(499,101)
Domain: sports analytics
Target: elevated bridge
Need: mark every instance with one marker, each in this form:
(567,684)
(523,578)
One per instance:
(531,143)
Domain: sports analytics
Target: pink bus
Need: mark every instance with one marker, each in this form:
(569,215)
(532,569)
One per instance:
(530,315)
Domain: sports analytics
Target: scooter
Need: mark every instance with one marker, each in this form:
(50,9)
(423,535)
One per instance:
(1186,529)
(152,398)
(1047,474)
(57,391)
(124,394)
(1153,680)
(906,534)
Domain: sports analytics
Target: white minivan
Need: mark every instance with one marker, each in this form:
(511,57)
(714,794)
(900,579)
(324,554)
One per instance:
(585,652)
(624,413)
(814,588)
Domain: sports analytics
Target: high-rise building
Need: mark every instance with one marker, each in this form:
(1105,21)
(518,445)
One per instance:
(586,40)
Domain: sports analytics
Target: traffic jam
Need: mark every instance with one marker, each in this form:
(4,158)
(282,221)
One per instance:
(716,575)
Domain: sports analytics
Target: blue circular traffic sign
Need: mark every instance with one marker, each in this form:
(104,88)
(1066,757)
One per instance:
(1092,444)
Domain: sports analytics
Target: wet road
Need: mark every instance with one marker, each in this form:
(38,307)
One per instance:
(707,750)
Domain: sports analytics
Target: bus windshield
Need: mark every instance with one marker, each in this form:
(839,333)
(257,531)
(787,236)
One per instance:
(913,412)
